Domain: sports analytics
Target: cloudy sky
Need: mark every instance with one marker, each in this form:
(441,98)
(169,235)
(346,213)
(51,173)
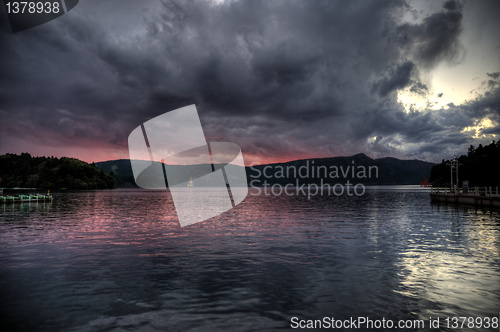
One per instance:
(282,79)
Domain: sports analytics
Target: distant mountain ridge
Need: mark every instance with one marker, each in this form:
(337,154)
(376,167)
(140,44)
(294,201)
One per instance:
(358,168)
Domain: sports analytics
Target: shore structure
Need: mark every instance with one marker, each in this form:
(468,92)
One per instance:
(477,196)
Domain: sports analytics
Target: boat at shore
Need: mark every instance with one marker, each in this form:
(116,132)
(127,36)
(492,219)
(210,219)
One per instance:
(26,198)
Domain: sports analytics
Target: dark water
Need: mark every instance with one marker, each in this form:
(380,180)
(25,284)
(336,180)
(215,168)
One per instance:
(118,261)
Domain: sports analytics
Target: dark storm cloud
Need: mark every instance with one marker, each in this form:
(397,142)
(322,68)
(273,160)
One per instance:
(489,103)
(436,38)
(397,78)
(494,80)
(450,5)
(280,78)
(419,88)
(493,130)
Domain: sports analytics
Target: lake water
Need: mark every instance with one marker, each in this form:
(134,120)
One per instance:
(118,261)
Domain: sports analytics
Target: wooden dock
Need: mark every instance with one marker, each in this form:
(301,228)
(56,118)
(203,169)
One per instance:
(477,196)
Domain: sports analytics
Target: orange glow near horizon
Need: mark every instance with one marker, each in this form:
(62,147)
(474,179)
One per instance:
(256,159)
(95,154)
(90,155)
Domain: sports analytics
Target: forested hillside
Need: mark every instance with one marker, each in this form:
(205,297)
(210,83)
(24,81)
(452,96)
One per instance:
(481,167)
(24,171)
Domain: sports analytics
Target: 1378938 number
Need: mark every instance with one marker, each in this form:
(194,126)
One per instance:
(472,322)
(31,7)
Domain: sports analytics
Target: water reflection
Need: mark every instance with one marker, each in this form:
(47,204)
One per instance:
(113,260)
(453,267)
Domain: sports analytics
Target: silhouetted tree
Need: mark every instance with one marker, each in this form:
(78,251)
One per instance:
(471,151)
(480,168)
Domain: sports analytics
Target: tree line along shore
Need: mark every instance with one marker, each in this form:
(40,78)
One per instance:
(480,167)
(25,171)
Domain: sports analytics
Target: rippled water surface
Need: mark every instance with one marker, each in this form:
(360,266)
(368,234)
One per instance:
(118,261)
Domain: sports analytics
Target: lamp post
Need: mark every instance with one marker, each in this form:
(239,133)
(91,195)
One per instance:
(454,165)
